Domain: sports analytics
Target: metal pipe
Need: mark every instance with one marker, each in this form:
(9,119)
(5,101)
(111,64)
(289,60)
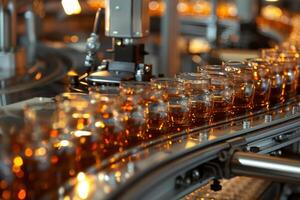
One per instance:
(212,28)
(247,10)
(4,35)
(265,166)
(7,25)
(11,6)
(31,27)
(169,56)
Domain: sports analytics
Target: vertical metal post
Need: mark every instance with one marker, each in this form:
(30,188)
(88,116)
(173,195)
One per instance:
(247,10)
(8,33)
(7,25)
(13,23)
(4,34)
(212,28)
(169,56)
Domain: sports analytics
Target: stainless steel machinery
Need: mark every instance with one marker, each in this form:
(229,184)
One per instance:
(127,23)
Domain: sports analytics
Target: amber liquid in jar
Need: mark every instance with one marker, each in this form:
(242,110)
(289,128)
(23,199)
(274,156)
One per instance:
(221,109)
(86,151)
(291,75)
(178,116)
(276,96)
(277,90)
(110,130)
(135,124)
(290,90)
(84,141)
(134,132)
(298,84)
(79,122)
(178,111)
(111,141)
(199,114)
(262,94)
(158,119)
(41,176)
(242,103)
(64,159)
(156,125)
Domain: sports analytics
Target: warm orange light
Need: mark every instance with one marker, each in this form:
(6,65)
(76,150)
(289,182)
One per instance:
(95,4)
(38,76)
(22,194)
(198,45)
(40,151)
(6,195)
(28,152)
(18,161)
(71,7)
(271,12)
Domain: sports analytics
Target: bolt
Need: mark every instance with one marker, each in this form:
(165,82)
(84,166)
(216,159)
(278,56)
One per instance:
(203,137)
(216,185)
(179,182)
(280,138)
(254,149)
(294,110)
(246,124)
(188,181)
(268,118)
(147,68)
(223,156)
(195,175)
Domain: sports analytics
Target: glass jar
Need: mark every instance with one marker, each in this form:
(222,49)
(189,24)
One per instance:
(157,111)
(289,60)
(75,138)
(197,88)
(261,77)
(222,92)
(244,87)
(135,111)
(278,82)
(35,159)
(178,108)
(278,78)
(108,123)
(292,51)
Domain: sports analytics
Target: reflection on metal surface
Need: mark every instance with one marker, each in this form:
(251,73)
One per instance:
(271,166)
(265,166)
(83,188)
(81,133)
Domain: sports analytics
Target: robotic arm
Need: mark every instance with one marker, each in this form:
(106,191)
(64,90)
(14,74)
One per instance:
(127,23)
